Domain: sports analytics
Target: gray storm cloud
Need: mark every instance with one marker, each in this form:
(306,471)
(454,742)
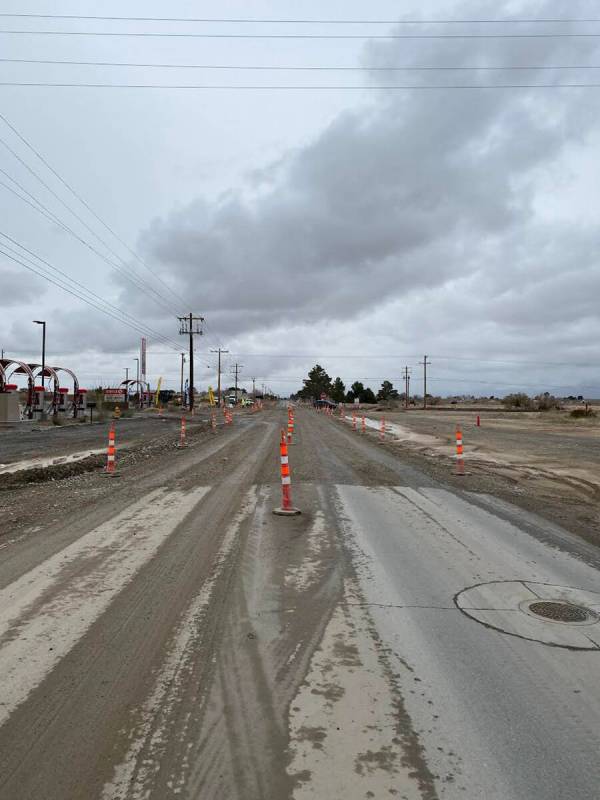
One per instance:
(18,288)
(410,193)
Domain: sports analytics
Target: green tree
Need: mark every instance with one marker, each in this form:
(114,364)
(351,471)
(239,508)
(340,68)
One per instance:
(368,396)
(387,391)
(317,383)
(357,389)
(338,391)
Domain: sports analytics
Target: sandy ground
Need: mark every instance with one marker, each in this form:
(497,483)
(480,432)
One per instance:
(164,635)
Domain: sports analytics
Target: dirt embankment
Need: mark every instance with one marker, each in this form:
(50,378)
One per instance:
(76,463)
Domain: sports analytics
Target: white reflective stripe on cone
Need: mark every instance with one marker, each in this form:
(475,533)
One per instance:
(285,480)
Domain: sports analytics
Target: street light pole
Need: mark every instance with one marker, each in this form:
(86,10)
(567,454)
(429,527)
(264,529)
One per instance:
(43,324)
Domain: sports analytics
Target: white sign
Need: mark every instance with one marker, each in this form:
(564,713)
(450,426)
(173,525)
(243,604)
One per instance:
(114,396)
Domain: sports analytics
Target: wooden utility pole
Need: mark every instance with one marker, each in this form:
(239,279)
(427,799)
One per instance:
(219,351)
(236,373)
(425,364)
(406,377)
(191,326)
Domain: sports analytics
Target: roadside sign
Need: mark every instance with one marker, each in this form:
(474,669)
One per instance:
(114,395)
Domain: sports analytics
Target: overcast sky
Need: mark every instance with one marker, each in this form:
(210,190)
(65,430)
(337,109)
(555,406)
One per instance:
(357,227)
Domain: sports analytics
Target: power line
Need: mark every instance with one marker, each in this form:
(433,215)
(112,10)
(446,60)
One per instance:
(282,21)
(142,327)
(292,68)
(132,278)
(328,36)
(582,365)
(339,87)
(61,285)
(400,356)
(450,379)
(48,166)
(38,206)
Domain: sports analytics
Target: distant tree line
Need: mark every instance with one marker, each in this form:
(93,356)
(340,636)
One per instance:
(319,384)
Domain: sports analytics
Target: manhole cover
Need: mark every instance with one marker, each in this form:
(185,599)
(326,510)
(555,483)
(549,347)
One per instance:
(559,616)
(560,612)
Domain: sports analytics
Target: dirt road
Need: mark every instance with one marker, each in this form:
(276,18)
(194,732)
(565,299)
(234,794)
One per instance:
(29,445)
(164,635)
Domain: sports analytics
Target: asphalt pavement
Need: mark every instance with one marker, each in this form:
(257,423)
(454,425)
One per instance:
(400,638)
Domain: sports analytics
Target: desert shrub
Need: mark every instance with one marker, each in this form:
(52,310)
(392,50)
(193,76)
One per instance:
(582,413)
(546,402)
(517,400)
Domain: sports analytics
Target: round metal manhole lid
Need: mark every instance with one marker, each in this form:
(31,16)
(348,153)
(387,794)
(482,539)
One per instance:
(559,616)
(561,612)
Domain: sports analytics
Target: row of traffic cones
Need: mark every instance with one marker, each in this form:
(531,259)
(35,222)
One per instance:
(111,454)
(460,462)
(286,509)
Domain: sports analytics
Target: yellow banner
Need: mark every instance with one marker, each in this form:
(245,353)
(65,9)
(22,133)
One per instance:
(157,391)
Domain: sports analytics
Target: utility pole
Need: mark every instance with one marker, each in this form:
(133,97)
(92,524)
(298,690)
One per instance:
(406,377)
(236,372)
(254,388)
(219,351)
(191,326)
(127,386)
(425,364)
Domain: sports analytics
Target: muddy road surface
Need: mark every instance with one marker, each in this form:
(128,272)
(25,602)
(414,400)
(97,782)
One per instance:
(164,635)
